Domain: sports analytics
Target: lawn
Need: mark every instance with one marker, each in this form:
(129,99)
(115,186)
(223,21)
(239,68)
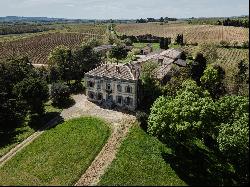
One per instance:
(140,162)
(59,156)
(10,139)
(155,46)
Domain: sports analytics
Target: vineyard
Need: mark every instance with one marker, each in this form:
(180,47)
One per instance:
(227,59)
(228,56)
(192,33)
(37,48)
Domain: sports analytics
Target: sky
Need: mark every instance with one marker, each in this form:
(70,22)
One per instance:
(123,9)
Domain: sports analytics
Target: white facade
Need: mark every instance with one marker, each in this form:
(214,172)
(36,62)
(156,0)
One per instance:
(121,93)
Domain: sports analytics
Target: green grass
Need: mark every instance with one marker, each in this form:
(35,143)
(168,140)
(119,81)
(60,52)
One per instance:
(9,140)
(140,162)
(155,46)
(59,156)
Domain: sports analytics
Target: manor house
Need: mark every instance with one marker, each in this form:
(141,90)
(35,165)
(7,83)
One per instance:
(117,85)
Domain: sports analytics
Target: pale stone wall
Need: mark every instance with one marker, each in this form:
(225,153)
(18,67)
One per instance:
(119,97)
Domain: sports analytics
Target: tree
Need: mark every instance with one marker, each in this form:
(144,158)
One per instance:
(175,83)
(60,93)
(128,42)
(186,116)
(198,67)
(34,92)
(161,19)
(12,109)
(212,80)
(61,59)
(233,133)
(164,43)
(93,43)
(245,45)
(209,51)
(241,78)
(225,44)
(118,52)
(147,73)
(15,70)
(150,89)
(84,60)
(179,39)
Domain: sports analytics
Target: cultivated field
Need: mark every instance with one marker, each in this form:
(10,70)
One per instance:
(192,33)
(37,46)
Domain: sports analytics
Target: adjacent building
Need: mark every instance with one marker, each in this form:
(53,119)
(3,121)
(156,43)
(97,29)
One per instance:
(117,85)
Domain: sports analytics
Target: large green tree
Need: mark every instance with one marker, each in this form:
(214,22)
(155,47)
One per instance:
(187,115)
(84,60)
(118,52)
(212,80)
(61,61)
(12,109)
(34,91)
(233,134)
(149,88)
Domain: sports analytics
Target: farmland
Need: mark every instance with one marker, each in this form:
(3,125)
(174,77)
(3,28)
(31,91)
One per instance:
(38,46)
(192,33)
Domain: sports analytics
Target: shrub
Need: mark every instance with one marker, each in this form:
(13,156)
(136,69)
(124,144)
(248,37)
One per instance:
(245,45)
(224,43)
(142,117)
(60,93)
(77,87)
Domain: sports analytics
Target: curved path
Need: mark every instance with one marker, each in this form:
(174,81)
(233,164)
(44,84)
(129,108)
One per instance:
(119,123)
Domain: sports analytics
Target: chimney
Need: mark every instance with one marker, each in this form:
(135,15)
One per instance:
(117,69)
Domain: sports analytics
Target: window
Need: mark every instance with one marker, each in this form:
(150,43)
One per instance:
(91,95)
(109,98)
(128,89)
(98,85)
(108,86)
(128,101)
(91,84)
(119,88)
(99,96)
(119,99)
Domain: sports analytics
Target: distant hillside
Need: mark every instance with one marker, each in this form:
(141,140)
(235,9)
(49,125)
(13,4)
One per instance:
(17,19)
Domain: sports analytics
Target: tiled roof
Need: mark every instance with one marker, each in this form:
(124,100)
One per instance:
(112,71)
(172,53)
(162,71)
(181,62)
(103,47)
(131,71)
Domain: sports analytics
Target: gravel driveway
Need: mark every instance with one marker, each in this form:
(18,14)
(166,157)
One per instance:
(120,123)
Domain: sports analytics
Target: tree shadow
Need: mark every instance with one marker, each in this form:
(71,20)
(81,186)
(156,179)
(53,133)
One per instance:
(198,166)
(37,122)
(64,104)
